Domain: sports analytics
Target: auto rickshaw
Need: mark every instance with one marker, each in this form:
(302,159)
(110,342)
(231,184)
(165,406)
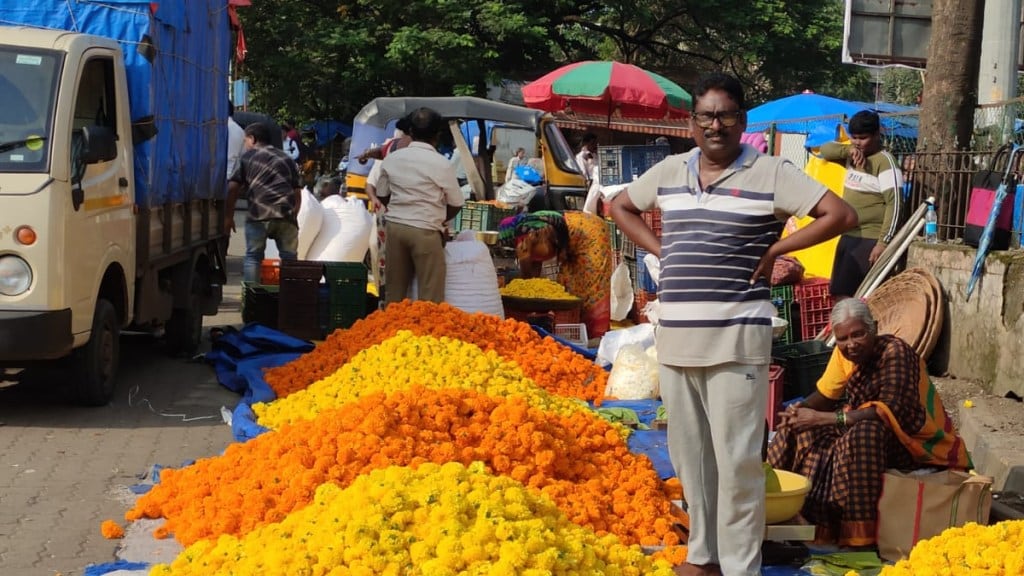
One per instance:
(562,178)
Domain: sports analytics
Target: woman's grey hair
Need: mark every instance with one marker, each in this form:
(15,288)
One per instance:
(854,309)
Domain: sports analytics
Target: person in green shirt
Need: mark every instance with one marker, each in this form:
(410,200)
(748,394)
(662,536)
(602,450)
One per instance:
(873,186)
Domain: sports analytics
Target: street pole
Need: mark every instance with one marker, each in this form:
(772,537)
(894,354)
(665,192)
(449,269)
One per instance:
(997,74)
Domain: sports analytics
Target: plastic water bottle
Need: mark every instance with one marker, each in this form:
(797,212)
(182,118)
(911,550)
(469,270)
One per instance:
(931,225)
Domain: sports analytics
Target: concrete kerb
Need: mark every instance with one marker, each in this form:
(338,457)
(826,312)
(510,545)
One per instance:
(993,429)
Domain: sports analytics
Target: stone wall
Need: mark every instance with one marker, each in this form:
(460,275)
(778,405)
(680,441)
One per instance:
(983,339)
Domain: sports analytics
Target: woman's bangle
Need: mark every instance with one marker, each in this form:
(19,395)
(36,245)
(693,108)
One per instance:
(841,418)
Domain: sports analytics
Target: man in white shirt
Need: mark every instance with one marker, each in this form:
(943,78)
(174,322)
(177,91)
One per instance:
(236,141)
(587,156)
(288,144)
(418,186)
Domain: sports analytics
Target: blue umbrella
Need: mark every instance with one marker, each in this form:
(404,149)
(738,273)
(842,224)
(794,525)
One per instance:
(801,112)
(990,226)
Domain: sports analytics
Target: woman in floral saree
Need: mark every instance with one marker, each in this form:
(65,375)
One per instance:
(874,408)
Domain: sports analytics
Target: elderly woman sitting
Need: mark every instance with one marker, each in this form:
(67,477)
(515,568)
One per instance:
(874,408)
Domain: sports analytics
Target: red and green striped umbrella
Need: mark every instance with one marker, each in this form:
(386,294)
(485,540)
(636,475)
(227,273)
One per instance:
(602,87)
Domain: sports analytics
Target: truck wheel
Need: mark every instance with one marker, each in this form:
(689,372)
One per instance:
(95,364)
(185,326)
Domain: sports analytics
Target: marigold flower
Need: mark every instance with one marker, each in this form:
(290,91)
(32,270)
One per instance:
(554,367)
(437,519)
(576,460)
(965,551)
(111,530)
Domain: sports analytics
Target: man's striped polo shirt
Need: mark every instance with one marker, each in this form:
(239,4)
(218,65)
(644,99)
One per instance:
(712,240)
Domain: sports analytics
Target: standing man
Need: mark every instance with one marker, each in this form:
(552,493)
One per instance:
(418,186)
(873,186)
(236,141)
(269,180)
(723,208)
(586,158)
(516,161)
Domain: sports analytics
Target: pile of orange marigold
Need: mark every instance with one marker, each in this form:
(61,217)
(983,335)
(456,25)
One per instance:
(569,457)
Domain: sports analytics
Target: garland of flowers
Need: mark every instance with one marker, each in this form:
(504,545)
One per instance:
(579,461)
(554,367)
(446,519)
(969,550)
(404,360)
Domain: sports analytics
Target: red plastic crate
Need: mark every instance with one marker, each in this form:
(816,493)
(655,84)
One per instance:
(811,323)
(653,220)
(815,301)
(775,386)
(813,295)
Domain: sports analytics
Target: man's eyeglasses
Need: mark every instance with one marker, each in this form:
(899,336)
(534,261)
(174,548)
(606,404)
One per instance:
(727,119)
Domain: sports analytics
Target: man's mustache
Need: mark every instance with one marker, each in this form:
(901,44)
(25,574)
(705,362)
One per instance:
(712,133)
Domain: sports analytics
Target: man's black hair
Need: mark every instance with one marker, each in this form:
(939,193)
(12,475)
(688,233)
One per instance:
(259,132)
(404,124)
(588,138)
(864,122)
(723,82)
(424,124)
(231,108)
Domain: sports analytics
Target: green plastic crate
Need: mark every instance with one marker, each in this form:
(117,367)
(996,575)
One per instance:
(614,235)
(481,216)
(786,312)
(346,283)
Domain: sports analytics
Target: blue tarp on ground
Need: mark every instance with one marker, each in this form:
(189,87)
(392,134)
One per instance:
(179,86)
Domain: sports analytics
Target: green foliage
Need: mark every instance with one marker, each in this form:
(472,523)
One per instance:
(311,59)
(902,86)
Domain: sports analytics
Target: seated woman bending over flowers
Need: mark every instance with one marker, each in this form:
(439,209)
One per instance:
(874,408)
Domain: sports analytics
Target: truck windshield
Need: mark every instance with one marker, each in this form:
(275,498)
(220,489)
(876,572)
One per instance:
(28,83)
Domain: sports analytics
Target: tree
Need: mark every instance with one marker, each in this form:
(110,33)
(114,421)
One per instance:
(951,78)
(902,86)
(775,47)
(327,58)
(319,59)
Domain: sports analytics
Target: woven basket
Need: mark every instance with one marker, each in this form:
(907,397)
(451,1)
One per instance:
(938,319)
(908,306)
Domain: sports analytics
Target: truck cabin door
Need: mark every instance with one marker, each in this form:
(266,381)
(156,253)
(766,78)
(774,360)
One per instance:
(99,211)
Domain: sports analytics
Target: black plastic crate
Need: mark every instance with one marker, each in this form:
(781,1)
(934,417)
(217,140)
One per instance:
(299,309)
(346,283)
(259,303)
(804,362)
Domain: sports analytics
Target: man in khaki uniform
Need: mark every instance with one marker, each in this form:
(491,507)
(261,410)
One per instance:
(419,188)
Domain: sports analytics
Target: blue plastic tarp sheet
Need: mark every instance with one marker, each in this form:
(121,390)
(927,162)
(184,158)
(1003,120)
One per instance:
(239,358)
(180,86)
(327,130)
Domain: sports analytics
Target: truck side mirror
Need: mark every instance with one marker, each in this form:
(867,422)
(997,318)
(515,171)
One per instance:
(90,145)
(99,144)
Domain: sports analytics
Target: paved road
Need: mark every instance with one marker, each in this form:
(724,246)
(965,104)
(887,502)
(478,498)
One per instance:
(65,469)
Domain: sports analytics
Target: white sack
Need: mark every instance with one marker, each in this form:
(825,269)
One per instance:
(344,233)
(311,216)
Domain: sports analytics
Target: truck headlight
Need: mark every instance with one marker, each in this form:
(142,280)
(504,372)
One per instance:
(15,275)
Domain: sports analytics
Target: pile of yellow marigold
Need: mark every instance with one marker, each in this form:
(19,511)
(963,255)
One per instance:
(970,550)
(541,288)
(424,440)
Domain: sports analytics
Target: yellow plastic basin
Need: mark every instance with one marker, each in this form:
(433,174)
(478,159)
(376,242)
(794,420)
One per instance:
(784,505)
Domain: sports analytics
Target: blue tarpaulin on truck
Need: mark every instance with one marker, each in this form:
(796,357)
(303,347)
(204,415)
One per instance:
(176,57)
